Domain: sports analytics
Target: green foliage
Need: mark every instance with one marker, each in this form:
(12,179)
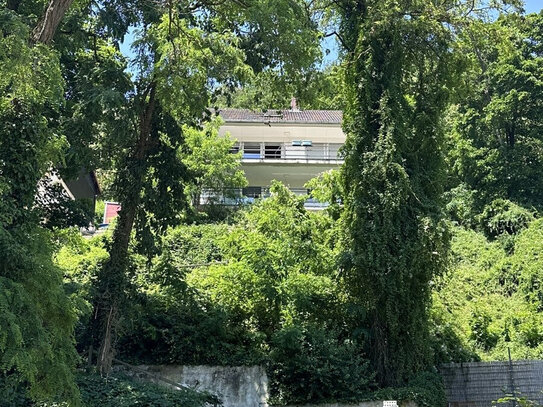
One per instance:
(214,168)
(426,389)
(327,188)
(99,210)
(311,364)
(502,216)
(80,260)
(313,89)
(272,278)
(495,137)
(460,205)
(518,400)
(491,297)
(36,340)
(122,391)
(37,352)
(395,242)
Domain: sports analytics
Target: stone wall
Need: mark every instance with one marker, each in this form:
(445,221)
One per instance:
(477,384)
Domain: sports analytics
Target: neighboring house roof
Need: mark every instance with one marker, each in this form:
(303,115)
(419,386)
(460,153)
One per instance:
(281,116)
(84,186)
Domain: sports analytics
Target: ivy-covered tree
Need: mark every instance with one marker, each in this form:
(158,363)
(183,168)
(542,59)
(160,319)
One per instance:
(398,70)
(37,355)
(400,67)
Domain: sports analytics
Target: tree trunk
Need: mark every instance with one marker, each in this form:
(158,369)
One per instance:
(45,30)
(112,280)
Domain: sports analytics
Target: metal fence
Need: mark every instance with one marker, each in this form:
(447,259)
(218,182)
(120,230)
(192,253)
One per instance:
(479,384)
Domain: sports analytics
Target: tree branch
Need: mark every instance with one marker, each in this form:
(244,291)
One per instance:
(45,30)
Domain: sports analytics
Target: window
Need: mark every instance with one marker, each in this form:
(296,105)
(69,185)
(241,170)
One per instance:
(272,151)
(251,150)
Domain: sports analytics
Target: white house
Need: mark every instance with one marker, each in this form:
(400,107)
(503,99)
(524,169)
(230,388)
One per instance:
(291,146)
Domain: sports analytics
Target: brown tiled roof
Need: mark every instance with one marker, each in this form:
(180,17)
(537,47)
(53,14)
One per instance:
(282,116)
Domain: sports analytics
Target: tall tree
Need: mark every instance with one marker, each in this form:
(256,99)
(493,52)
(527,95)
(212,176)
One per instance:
(184,51)
(496,143)
(36,317)
(400,67)
(397,79)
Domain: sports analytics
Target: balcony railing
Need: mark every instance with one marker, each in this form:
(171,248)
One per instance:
(249,195)
(270,152)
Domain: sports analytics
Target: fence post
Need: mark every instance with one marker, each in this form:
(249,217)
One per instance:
(513,392)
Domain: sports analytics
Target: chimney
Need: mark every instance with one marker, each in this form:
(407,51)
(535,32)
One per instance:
(293,105)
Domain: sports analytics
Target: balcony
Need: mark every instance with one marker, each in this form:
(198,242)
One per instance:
(249,195)
(296,152)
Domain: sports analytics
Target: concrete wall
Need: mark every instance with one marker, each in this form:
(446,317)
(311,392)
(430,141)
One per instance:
(241,386)
(284,132)
(477,384)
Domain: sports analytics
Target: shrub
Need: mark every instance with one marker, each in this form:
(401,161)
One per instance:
(122,391)
(425,388)
(314,365)
(503,216)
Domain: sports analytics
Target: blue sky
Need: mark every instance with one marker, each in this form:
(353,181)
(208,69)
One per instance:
(533,6)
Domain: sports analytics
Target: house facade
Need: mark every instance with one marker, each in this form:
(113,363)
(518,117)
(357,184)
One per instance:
(291,146)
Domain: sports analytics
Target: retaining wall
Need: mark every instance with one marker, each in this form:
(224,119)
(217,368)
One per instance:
(240,386)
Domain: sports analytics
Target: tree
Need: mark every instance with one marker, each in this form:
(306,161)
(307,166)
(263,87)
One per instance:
(47,26)
(184,52)
(400,66)
(214,168)
(313,89)
(36,316)
(495,143)
(397,75)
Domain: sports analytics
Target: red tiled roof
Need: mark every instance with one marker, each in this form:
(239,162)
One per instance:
(282,116)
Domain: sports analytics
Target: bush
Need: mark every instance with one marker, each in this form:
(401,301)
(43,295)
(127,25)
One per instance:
(122,391)
(426,389)
(119,390)
(309,365)
(503,216)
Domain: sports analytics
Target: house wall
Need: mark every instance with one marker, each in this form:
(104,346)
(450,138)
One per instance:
(325,137)
(283,132)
